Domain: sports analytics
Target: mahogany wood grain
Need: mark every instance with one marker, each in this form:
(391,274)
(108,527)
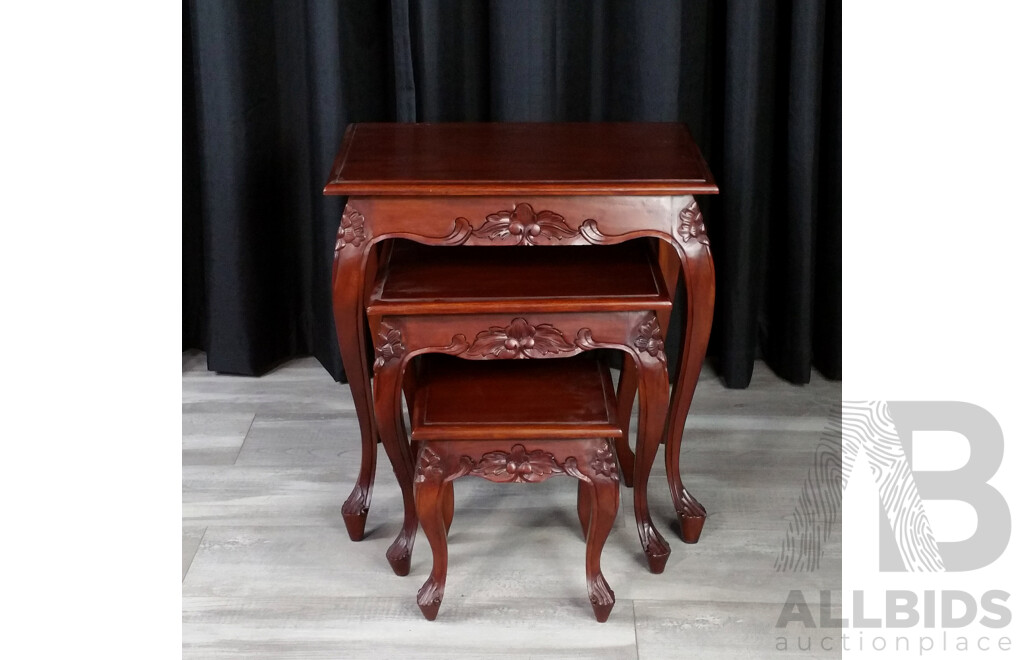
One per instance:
(519,159)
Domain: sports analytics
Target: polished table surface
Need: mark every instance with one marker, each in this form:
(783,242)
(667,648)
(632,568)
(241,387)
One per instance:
(525,159)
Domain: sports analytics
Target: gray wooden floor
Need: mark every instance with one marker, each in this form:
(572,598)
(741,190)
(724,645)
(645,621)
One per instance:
(268,570)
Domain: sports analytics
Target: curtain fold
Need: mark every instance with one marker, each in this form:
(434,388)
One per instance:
(270,86)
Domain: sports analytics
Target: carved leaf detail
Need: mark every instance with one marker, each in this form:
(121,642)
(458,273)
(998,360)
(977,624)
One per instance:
(585,340)
(519,340)
(517,465)
(352,230)
(430,466)
(600,593)
(572,468)
(460,232)
(524,226)
(590,232)
(457,346)
(464,466)
(691,224)
(649,337)
(390,347)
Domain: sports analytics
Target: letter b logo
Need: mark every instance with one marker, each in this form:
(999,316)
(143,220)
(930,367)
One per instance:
(905,524)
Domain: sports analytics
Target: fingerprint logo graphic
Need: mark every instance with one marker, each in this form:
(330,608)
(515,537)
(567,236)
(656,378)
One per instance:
(820,504)
(868,428)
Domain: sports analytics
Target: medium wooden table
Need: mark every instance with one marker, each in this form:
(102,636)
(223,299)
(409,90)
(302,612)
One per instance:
(522,185)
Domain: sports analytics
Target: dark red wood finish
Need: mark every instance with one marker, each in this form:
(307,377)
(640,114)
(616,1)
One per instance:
(448,280)
(521,187)
(514,399)
(519,159)
(510,438)
(548,328)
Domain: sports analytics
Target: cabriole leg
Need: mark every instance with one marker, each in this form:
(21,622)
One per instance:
(430,489)
(699,280)
(350,322)
(387,396)
(653,387)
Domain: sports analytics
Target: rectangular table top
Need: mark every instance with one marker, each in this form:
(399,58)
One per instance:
(525,158)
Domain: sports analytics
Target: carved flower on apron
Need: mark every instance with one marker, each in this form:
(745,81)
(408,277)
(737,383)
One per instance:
(691,224)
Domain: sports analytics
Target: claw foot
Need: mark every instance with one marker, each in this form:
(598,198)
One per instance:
(657,550)
(400,555)
(691,527)
(429,598)
(602,598)
(691,518)
(354,513)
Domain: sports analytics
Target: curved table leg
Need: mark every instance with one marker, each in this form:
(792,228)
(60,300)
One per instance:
(387,393)
(699,279)
(654,388)
(349,323)
(603,496)
(430,493)
(625,395)
(584,505)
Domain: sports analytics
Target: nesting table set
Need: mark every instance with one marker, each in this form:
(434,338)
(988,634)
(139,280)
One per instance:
(470,254)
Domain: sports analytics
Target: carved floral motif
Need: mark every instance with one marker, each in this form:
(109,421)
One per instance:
(691,224)
(351,231)
(519,340)
(525,226)
(649,337)
(391,346)
(603,463)
(517,465)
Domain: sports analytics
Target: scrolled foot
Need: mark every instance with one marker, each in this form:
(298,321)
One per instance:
(429,598)
(657,550)
(691,518)
(400,555)
(602,598)
(354,513)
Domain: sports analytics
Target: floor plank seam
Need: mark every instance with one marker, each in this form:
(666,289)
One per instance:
(193,558)
(636,636)
(246,437)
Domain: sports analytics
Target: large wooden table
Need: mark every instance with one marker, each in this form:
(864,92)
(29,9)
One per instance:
(522,185)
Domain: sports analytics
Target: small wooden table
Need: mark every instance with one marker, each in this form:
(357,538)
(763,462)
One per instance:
(523,185)
(556,417)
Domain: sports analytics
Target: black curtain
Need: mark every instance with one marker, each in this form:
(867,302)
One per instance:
(270,86)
